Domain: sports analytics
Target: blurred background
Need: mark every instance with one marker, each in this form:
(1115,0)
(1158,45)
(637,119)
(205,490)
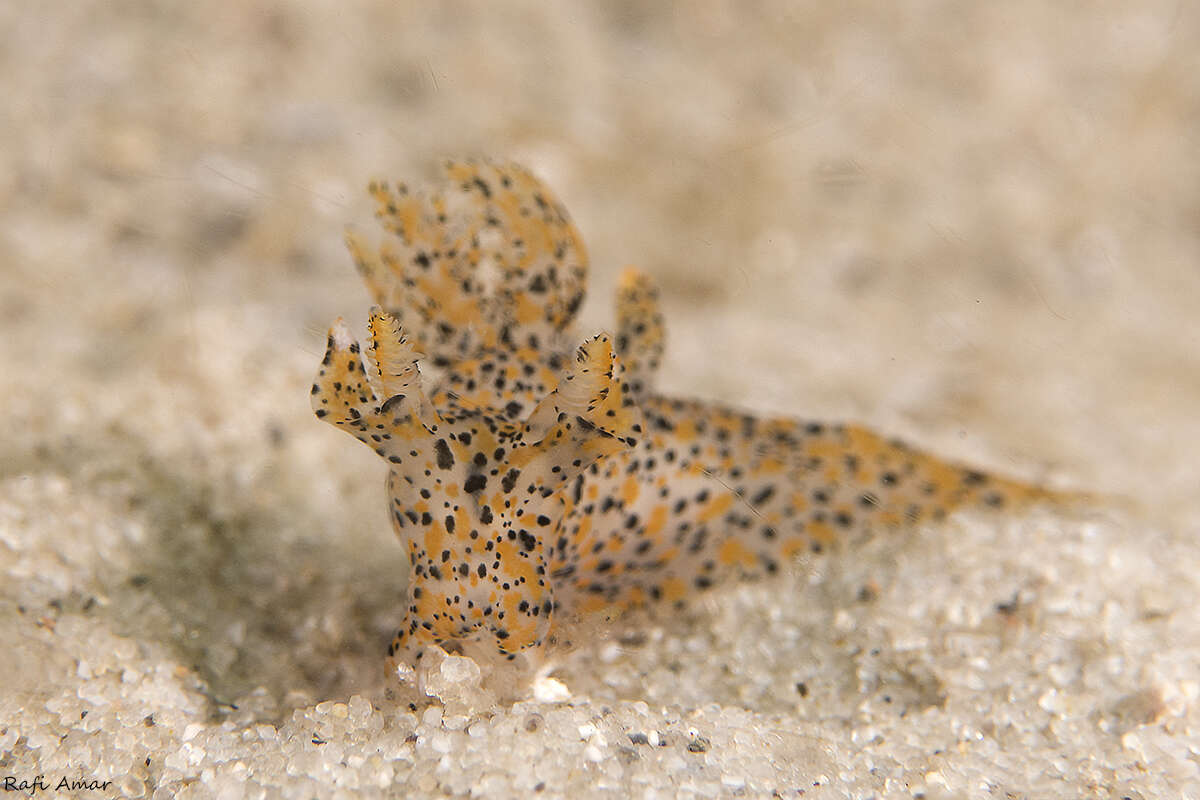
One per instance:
(973,224)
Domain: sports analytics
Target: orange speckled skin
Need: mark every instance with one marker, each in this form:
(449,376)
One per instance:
(536,483)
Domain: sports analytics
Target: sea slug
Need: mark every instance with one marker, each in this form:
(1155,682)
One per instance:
(537,481)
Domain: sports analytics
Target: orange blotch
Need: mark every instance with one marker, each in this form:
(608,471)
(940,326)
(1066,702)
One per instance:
(792,546)
(407,217)
(867,445)
(734,552)
(770,466)
(527,310)
(656,521)
(821,532)
(435,536)
(674,589)
(514,564)
(592,603)
(584,531)
(715,508)
(520,634)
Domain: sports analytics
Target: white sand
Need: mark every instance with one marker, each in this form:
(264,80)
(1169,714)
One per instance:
(974,228)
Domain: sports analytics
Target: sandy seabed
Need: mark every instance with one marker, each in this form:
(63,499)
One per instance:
(973,225)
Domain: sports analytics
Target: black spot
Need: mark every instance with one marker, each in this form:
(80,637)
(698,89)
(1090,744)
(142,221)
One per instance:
(528,540)
(510,480)
(513,409)
(543,520)
(427,518)
(449,524)
(763,496)
(485,515)
(445,459)
(475,483)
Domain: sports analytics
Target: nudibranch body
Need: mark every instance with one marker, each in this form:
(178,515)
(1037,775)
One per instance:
(536,482)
